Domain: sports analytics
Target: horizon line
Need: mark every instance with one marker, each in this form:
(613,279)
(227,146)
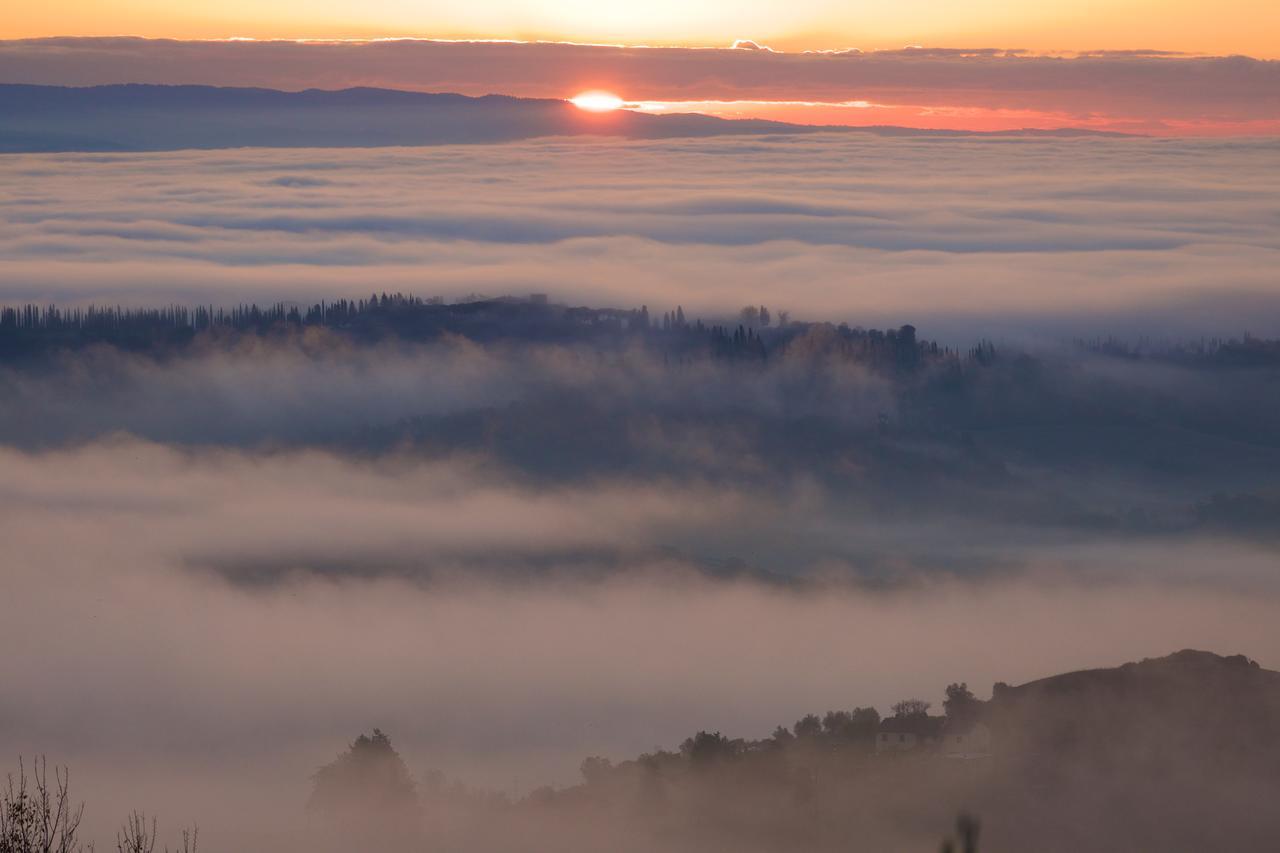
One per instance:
(744,45)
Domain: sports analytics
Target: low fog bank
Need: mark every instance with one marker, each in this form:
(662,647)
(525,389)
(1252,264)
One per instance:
(119,540)
(211,702)
(203,627)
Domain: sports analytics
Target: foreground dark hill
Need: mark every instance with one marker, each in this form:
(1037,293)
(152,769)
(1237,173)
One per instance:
(1173,753)
(1188,704)
(146,117)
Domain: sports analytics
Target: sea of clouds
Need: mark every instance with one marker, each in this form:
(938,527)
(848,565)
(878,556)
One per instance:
(963,238)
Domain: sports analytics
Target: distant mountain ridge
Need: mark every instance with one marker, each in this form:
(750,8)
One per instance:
(148,117)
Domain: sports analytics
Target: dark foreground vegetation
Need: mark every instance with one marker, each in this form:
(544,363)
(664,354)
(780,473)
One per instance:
(1175,753)
(38,815)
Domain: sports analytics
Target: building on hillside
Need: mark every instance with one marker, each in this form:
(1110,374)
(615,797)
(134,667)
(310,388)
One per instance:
(903,734)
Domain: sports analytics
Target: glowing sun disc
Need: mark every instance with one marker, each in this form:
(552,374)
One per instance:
(597,102)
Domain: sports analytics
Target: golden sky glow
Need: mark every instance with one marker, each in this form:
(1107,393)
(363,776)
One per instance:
(1249,27)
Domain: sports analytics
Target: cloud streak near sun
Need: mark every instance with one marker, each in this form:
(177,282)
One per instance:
(1137,91)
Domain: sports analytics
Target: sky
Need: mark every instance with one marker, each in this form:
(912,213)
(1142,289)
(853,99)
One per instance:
(1160,67)
(983,89)
(1197,26)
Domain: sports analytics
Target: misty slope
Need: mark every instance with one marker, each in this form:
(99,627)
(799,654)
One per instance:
(840,446)
(1193,702)
(146,117)
(1173,753)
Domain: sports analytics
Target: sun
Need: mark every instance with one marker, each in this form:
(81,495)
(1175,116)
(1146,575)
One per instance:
(597,101)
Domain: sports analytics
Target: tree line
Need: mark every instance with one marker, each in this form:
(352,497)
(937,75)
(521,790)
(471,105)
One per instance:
(758,334)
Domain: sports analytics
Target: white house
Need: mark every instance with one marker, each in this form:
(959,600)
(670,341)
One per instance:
(936,734)
(901,734)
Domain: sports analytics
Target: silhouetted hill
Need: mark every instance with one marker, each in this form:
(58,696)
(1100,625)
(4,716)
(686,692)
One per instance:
(138,117)
(1187,704)
(1176,670)
(1182,705)
(1174,753)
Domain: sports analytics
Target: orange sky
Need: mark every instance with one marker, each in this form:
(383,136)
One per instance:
(1250,27)
(1135,88)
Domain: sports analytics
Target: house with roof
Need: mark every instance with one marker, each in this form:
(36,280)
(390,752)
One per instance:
(909,732)
(959,739)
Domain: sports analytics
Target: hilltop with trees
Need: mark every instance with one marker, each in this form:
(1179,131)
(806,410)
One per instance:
(1172,753)
(1177,739)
